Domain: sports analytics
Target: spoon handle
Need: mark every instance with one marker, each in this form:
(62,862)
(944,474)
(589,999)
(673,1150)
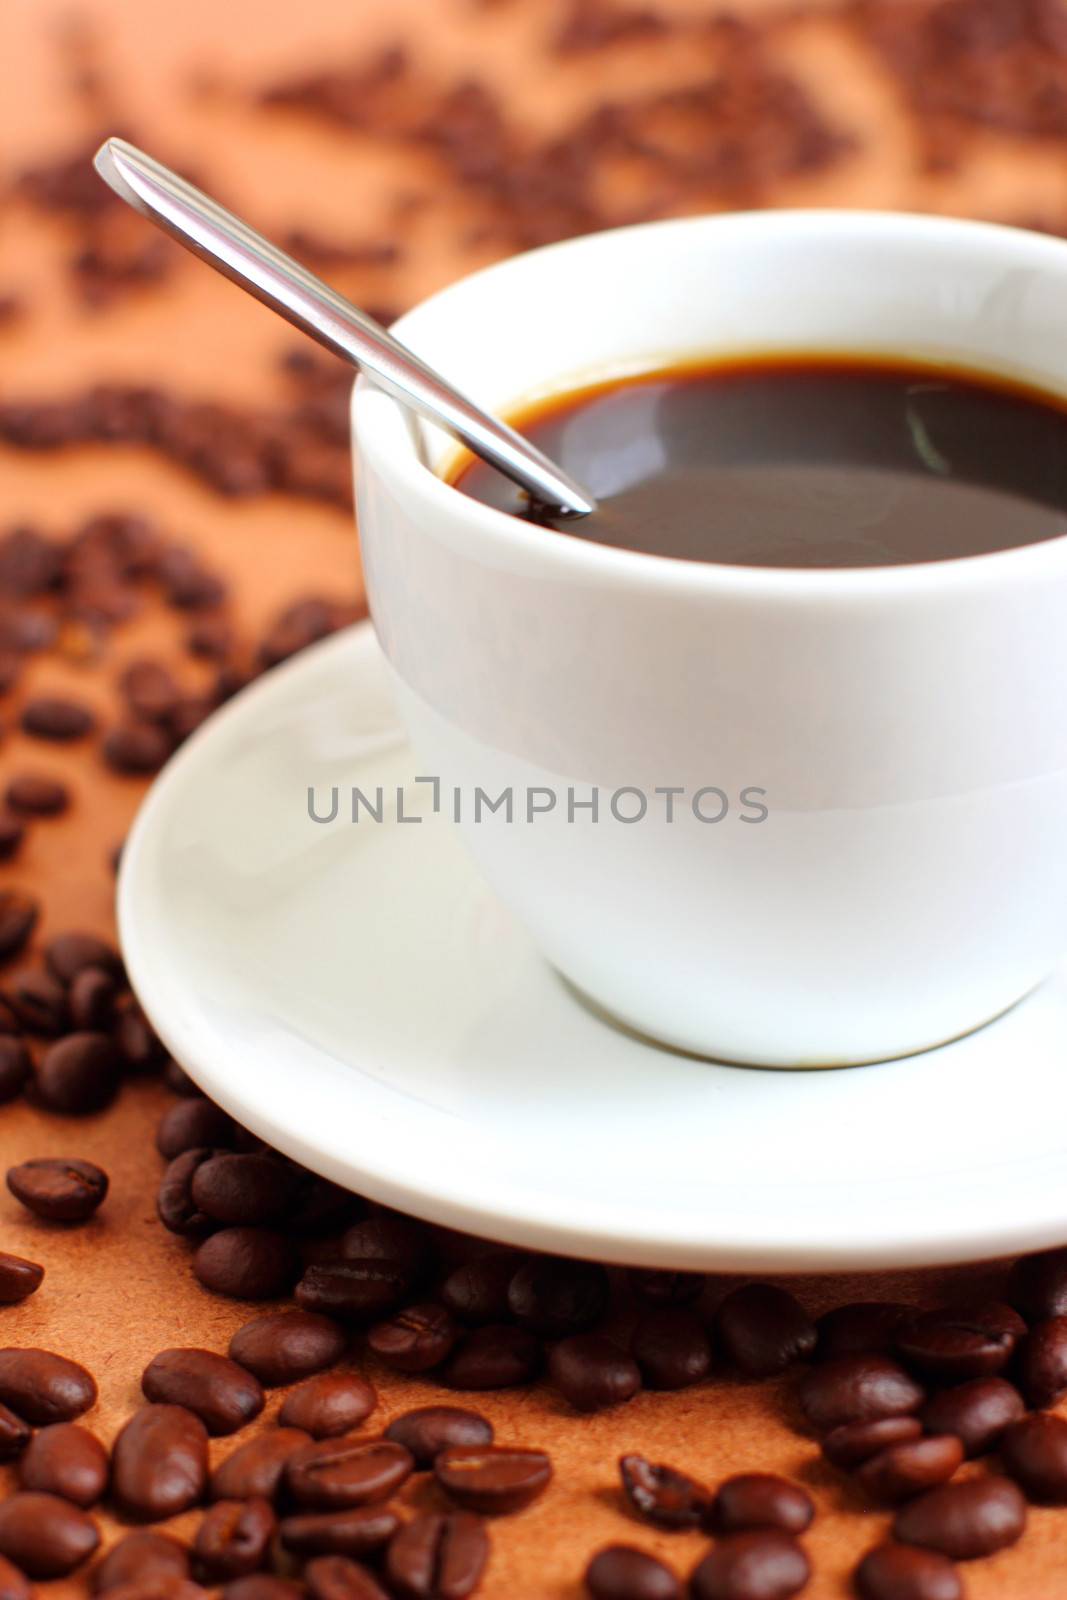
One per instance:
(245,256)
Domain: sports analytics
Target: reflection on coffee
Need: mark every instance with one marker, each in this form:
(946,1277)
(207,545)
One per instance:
(805,461)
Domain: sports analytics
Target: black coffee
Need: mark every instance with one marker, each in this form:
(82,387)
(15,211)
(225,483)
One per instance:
(813,461)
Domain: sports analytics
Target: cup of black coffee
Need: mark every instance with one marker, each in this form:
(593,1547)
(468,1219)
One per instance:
(769,753)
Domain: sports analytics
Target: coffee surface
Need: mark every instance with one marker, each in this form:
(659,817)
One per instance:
(802,462)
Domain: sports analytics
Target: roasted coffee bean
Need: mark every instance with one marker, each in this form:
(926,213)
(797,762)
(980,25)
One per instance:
(66,1460)
(339,1578)
(16,1067)
(174,1201)
(263,1586)
(905,1470)
(964,1520)
(1037,1285)
(40,1003)
(761,1500)
(58,1190)
(53,717)
(1041,1370)
(70,953)
(235,1188)
(765,1564)
(12,833)
(591,1372)
(44,1536)
(387,1236)
(554,1296)
(957,1343)
(477,1291)
(18,1278)
(1034,1453)
(149,689)
(430,1429)
(143,1556)
(620,1572)
(211,638)
(762,1330)
(246,1263)
(42,1387)
(856,1442)
(282,1346)
(416,1339)
(671,1348)
(234,1539)
(662,1495)
(976,1412)
(498,1356)
(857,1389)
(141,1048)
(321,1207)
(18,918)
(159,1463)
(14,1585)
(92,999)
(158,1589)
(179,1081)
(658,1287)
(357,1291)
(492,1479)
(32,794)
(335,1473)
(14,1434)
(136,748)
(222,1394)
(79,1074)
(904,1572)
(437,1556)
(861,1328)
(194,1124)
(255,1469)
(329,1404)
(361,1531)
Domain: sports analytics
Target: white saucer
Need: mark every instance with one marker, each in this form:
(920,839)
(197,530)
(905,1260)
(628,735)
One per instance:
(356,995)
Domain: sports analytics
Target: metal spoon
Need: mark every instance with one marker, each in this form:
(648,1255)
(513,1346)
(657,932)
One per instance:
(242,254)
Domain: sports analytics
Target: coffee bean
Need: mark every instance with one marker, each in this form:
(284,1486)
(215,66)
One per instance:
(143,1556)
(234,1539)
(142,1050)
(554,1296)
(159,1463)
(763,1565)
(664,1496)
(263,1586)
(58,1190)
(70,953)
(762,1330)
(414,1340)
(66,1460)
(45,1536)
(18,1278)
(12,833)
(53,717)
(857,1389)
(1034,1453)
(492,1479)
(14,1585)
(174,1200)
(161,1588)
(855,1442)
(976,1412)
(222,1394)
(285,1345)
(957,1343)
(40,1003)
(904,1572)
(16,1067)
(178,1081)
(18,918)
(234,1188)
(905,1470)
(92,999)
(14,1434)
(477,1292)
(361,1531)
(964,1520)
(321,1207)
(32,794)
(1041,1371)
(246,1263)
(193,1124)
(428,1430)
(1037,1285)
(387,1236)
(335,1473)
(437,1556)
(658,1287)
(150,689)
(42,1387)
(671,1348)
(620,1572)
(861,1328)
(329,1404)
(255,1469)
(356,1291)
(211,638)
(136,749)
(339,1578)
(497,1356)
(761,1500)
(79,1074)
(591,1372)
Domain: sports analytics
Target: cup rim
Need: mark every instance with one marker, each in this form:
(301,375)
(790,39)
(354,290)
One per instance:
(381,431)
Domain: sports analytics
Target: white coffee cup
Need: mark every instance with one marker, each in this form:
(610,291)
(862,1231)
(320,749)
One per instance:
(908,724)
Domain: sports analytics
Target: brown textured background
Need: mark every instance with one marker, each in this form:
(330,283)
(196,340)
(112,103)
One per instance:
(181,77)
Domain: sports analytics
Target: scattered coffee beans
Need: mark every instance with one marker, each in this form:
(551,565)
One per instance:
(79,1074)
(622,1573)
(359,1531)
(42,1387)
(336,1473)
(957,1343)
(329,1404)
(855,1442)
(761,1500)
(193,1124)
(283,1346)
(492,1479)
(671,1348)
(55,718)
(976,1412)
(1037,1285)
(592,1372)
(1034,1453)
(437,1555)
(222,1394)
(159,1463)
(857,1389)
(255,1469)
(339,1578)
(142,1556)
(964,1520)
(18,1278)
(70,953)
(356,1291)
(766,1565)
(497,1356)
(234,1539)
(235,1188)
(45,1536)
(905,1470)
(18,918)
(762,1330)
(58,1190)
(66,1460)
(16,1067)
(428,1430)
(14,1584)
(414,1340)
(903,1572)
(41,1005)
(1041,1371)
(662,1495)
(477,1292)
(32,794)
(246,1263)
(555,1297)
